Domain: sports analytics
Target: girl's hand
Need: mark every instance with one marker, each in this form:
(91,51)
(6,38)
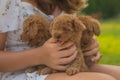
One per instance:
(53,57)
(93,50)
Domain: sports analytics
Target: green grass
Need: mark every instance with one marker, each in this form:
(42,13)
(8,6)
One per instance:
(110,41)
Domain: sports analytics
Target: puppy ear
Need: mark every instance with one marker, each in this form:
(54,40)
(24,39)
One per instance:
(25,34)
(78,25)
(96,27)
(30,26)
(91,24)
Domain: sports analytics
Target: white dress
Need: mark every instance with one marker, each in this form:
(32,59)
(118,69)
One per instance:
(12,15)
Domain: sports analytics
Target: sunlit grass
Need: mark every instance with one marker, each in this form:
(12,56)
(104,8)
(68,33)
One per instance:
(110,41)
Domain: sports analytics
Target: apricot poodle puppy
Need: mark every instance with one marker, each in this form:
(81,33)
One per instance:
(92,28)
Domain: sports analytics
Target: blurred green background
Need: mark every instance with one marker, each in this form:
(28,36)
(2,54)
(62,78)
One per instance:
(108,12)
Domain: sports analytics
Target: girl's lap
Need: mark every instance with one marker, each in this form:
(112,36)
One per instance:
(80,76)
(97,72)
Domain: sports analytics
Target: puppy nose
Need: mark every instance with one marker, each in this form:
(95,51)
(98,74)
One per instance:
(58,36)
(85,42)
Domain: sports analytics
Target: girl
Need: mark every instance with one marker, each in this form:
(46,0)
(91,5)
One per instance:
(16,55)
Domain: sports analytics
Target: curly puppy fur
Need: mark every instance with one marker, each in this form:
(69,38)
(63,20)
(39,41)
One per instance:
(92,28)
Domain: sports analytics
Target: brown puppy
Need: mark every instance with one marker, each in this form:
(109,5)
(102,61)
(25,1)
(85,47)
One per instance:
(92,28)
(67,28)
(35,32)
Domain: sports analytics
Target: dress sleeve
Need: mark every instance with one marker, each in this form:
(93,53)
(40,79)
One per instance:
(9,15)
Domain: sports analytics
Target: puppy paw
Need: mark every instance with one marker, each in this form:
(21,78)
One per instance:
(45,71)
(72,71)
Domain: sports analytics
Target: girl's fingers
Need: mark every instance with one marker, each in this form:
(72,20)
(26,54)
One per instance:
(68,59)
(97,57)
(65,46)
(91,52)
(68,52)
(62,68)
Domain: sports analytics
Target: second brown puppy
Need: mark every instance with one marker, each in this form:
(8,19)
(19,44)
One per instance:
(92,28)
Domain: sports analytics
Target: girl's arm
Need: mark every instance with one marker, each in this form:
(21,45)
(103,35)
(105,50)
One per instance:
(12,61)
(49,54)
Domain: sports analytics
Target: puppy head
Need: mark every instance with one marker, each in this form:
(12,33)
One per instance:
(33,26)
(66,27)
(92,27)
